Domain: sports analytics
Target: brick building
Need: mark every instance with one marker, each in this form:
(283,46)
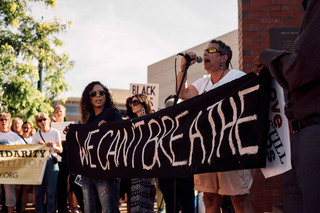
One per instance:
(262,24)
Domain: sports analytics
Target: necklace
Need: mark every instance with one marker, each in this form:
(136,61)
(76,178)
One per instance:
(221,76)
(204,89)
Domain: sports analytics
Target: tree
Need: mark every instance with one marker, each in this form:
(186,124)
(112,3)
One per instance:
(28,48)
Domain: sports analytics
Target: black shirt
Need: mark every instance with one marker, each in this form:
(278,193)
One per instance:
(108,115)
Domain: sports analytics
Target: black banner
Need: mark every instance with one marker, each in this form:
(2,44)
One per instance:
(223,129)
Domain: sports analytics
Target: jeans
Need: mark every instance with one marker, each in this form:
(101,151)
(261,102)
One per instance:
(10,194)
(100,193)
(47,188)
(301,185)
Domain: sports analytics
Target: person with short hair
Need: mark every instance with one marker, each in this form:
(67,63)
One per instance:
(8,137)
(27,132)
(237,184)
(25,189)
(51,137)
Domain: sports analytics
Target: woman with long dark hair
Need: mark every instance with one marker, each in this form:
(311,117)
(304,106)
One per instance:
(97,107)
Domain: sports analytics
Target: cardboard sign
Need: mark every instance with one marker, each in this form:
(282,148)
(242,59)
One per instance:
(278,144)
(151,90)
(60,126)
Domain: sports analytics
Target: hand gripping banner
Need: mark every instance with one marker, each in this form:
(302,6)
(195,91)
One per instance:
(221,130)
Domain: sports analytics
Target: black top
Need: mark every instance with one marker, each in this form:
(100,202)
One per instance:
(107,115)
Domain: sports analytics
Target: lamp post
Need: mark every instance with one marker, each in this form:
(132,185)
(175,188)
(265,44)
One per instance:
(40,68)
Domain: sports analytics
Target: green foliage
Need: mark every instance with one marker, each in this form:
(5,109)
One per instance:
(25,44)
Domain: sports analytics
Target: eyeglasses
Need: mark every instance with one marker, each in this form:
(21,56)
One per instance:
(135,103)
(40,120)
(212,50)
(3,119)
(94,93)
(26,127)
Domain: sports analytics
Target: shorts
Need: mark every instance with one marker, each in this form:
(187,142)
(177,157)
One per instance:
(232,183)
(10,193)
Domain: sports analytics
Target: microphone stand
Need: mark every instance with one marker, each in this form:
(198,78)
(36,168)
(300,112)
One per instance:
(182,80)
(176,97)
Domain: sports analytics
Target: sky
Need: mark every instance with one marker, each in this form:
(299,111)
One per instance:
(114,41)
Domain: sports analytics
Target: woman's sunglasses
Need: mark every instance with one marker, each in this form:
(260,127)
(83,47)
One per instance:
(94,93)
(42,119)
(212,50)
(135,103)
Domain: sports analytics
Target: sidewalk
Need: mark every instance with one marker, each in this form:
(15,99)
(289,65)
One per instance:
(123,208)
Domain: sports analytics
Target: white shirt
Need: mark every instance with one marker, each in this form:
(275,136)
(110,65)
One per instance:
(205,84)
(53,135)
(10,138)
(28,140)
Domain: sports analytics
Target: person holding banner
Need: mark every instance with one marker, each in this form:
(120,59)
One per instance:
(51,137)
(299,74)
(17,128)
(237,184)
(7,137)
(97,107)
(25,189)
(143,190)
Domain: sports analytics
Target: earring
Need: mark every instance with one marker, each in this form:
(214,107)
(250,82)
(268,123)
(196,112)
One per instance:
(143,111)
(221,65)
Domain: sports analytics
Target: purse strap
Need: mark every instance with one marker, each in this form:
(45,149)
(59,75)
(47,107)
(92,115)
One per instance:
(41,136)
(23,139)
(45,142)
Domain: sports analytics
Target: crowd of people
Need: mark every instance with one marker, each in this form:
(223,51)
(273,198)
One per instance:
(102,195)
(16,132)
(58,190)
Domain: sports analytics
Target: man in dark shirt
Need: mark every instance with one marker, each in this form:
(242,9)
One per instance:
(299,74)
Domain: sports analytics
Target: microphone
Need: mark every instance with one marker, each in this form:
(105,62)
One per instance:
(187,57)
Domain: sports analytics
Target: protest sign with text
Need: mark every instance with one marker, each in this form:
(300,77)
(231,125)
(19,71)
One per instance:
(23,164)
(278,145)
(151,90)
(221,130)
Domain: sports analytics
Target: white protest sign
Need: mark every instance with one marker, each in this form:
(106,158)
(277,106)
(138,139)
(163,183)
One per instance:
(60,126)
(151,90)
(278,147)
